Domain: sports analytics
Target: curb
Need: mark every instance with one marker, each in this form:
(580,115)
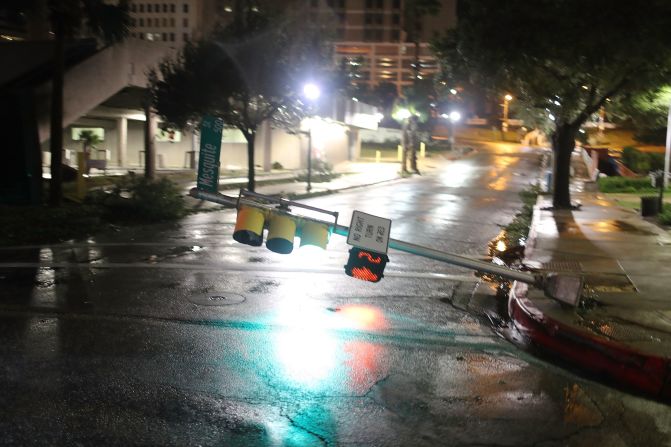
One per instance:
(632,369)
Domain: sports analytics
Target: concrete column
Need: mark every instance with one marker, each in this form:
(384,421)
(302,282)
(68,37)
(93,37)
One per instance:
(354,144)
(122,141)
(267,146)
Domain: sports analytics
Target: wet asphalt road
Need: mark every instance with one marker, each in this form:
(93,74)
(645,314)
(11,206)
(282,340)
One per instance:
(115,341)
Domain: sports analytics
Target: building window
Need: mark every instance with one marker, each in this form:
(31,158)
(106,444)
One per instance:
(165,7)
(172,37)
(185,37)
(380,4)
(314,3)
(369,4)
(133,7)
(172,22)
(141,36)
(185,8)
(164,36)
(395,35)
(378,19)
(172,7)
(132,21)
(368,19)
(397,4)
(165,22)
(141,7)
(396,19)
(141,21)
(149,6)
(185,22)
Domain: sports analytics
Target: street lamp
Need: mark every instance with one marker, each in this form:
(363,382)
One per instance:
(311,92)
(453,117)
(504,123)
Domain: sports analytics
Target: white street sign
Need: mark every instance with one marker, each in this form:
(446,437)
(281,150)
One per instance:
(369,232)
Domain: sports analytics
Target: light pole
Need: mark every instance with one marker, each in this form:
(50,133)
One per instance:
(667,152)
(312,93)
(504,123)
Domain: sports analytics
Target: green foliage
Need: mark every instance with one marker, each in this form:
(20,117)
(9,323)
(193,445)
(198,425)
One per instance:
(322,171)
(647,112)
(625,184)
(641,162)
(665,216)
(47,224)
(137,199)
(518,229)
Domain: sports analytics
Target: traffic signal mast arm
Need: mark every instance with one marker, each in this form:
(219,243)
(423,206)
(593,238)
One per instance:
(449,258)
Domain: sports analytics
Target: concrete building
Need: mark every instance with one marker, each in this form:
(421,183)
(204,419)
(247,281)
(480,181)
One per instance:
(369,35)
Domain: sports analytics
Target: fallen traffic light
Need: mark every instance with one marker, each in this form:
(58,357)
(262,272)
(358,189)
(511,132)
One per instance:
(281,233)
(366,265)
(257,212)
(249,226)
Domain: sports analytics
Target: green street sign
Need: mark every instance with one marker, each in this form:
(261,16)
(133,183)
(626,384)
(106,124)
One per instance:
(210,148)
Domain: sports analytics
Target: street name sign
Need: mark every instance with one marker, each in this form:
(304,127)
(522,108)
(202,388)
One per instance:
(369,232)
(210,148)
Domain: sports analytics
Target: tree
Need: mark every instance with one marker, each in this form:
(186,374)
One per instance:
(413,11)
(248,72)
(68,19)
(563,58)
(647,113)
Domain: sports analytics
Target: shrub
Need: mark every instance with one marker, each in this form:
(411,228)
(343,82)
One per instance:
(137,199)
(665,216)
(277,165)
(625,184)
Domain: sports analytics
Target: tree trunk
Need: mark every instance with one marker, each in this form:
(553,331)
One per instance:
(251,183)
(563,143)
(56,125)
(149,143)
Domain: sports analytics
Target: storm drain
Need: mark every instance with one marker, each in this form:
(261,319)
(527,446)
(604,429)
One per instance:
(217,299)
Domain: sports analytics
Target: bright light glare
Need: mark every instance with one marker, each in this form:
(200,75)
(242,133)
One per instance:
(551,116)
(455,116)
(403,114)
(379,116)
(306,348)
(453,91)
(311,91)
(508,97)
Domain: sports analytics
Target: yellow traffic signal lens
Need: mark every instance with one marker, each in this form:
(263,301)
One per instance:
(249,226)
(313,233)
(281,233)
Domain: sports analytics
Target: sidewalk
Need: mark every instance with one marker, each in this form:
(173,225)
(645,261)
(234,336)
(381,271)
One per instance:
(622,329)
(352,175)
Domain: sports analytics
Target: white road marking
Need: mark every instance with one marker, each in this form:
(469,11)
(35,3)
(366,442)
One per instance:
(221,268)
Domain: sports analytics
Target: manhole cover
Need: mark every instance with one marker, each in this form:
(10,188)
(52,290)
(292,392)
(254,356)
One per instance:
(217,299)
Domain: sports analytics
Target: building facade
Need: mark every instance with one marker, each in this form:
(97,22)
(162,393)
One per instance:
(369,36)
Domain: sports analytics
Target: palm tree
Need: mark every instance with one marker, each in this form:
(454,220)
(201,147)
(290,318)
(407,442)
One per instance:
(69,19)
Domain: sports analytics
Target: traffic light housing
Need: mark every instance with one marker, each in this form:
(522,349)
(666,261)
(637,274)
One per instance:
(366,265)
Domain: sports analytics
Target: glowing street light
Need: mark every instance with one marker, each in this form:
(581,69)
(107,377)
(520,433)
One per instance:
(403,114)
(311,91)
(504,123)
(455,116)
